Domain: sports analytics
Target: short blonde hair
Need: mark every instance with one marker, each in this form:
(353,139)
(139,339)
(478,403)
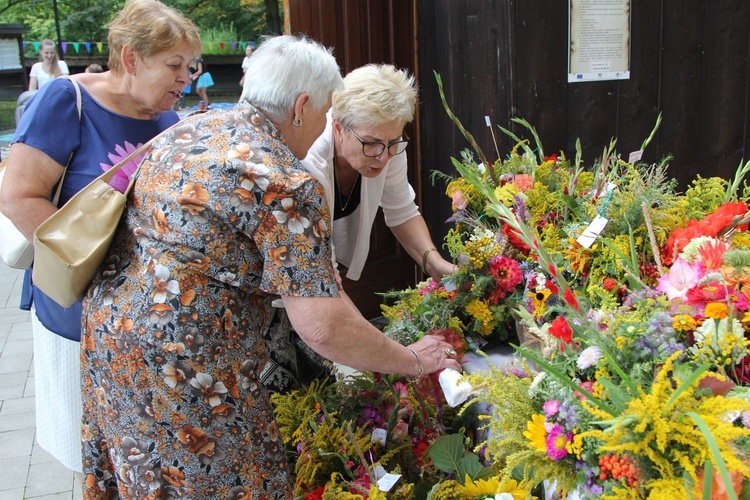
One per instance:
(374,95)
(150,27)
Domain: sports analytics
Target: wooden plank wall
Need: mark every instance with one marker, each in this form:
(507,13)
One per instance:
(690,60)
(362,32)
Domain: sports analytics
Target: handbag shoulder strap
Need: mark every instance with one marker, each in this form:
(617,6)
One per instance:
(70,158)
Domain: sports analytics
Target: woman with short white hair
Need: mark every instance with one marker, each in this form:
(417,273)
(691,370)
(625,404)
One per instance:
(222,219)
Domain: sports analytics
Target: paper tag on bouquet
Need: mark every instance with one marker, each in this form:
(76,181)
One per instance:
(635,156)
(449,283)
(379,436)
(455,388)
(386,482)
(592,232)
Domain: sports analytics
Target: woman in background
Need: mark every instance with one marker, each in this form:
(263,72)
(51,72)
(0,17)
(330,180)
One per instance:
(150,47)
(49,68)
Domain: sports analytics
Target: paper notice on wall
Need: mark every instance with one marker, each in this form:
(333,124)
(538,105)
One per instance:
(599,40)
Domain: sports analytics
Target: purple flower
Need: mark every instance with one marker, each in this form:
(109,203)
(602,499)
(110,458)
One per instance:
(557,442)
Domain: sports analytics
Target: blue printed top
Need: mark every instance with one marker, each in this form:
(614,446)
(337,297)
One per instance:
(98,141)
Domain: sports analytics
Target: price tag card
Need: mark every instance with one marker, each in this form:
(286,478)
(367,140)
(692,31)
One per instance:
(378,436)
(592,232)
(449,283)
(635,156)
(378,471)
(386,482)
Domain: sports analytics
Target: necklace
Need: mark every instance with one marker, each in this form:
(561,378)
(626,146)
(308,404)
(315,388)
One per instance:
(338,191)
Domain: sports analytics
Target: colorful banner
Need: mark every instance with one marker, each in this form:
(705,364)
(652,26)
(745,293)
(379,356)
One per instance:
(76,46)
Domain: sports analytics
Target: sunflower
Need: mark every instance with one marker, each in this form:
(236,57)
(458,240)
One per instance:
(481,488)
(539,300)
(537,433)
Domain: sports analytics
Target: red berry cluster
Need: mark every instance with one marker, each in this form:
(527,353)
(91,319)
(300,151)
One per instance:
(619,467)
(649,271)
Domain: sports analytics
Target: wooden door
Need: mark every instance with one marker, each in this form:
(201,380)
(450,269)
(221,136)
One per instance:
(361,32)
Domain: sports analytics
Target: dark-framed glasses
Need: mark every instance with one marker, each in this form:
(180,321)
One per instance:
(373,149)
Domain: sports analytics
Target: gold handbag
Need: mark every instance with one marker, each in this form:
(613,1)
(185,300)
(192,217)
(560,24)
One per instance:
(71,244)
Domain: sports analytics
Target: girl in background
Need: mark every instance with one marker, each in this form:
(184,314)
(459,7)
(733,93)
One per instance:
(203,80)
(49,68)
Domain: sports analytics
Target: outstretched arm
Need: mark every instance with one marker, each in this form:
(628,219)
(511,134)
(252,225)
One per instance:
(334,328)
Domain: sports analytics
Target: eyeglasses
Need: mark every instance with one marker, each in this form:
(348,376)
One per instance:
(373,149)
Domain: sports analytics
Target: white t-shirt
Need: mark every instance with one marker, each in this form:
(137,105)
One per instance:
(42,77)
(245,64)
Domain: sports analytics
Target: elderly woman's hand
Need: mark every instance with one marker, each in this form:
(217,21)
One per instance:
(435,354)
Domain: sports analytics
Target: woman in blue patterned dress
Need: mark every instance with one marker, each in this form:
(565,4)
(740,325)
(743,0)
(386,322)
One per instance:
(222,219)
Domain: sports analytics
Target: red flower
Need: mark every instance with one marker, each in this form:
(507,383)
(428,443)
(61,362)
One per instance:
(552,270)
(711,225)
(561,329)
(515,240)
(316,494)
(741,372)
(609,284)
(454,339)
(570,298)
(419,451)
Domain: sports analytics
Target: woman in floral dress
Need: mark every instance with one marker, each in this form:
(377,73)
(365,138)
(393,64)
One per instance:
(222,220)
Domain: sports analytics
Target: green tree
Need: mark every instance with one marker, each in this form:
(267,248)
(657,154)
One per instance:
(82,21)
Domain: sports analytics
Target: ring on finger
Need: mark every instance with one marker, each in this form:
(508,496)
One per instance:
(450,351)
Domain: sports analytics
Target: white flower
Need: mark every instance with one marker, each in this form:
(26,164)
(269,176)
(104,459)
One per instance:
(589,357)
(535,383)
(718,330)
(503,496)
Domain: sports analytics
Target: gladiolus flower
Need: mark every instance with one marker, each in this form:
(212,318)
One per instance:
(561,329)
(570,298)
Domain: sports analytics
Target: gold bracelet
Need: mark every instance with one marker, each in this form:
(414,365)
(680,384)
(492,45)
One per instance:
(420,368)
(424,259)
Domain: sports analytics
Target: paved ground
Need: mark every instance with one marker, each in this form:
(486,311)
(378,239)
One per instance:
(26,471)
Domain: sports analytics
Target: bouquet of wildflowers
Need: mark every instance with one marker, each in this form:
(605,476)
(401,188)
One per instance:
(642,389)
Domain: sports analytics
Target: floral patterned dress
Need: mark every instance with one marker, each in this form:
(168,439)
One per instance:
(222,218)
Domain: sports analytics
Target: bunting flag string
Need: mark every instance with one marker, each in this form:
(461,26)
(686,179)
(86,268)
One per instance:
(89,47)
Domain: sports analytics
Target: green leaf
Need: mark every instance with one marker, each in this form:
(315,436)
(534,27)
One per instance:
(617,395)
(447,451)
(653,132)
(708,472)
(715,452)
(469,464)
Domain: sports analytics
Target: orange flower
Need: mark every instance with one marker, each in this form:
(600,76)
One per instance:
(523,182)
(716,310)
(739,279)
